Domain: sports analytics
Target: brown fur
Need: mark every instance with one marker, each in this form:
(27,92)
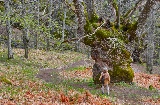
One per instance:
(106,76)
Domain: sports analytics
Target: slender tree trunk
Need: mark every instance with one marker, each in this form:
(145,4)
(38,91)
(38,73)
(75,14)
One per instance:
(150,47)
(50,23)
(48,44)
(25,41)
(25,31)
(36,41)
(119,9)
(63,30)
(77,43)
(8,28)
(36,35)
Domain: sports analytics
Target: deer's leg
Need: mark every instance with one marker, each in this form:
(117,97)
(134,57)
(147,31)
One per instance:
(107,88)
(102,88)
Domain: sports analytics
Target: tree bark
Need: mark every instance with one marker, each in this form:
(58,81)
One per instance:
(141,21)
(50,23)
(25,30)
(132,10)
(8,28)
(63,29)
(150,47)
(25,41)
(145,13)
(36,34)
(79,9)
(90,8)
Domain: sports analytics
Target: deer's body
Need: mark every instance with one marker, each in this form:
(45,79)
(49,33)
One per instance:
(105,79)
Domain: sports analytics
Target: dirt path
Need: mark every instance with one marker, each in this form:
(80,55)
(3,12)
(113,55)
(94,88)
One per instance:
(131,95)
(47,74)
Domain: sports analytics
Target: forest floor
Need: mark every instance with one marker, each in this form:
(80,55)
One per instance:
(66,78)
(120,93)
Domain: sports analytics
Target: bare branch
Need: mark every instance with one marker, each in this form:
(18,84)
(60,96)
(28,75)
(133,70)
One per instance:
(115,6)
(132,10)
(144,14)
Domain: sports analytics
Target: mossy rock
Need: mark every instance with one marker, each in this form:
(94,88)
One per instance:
(122,73)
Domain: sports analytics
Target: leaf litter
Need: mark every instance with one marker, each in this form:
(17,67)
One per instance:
(24,90)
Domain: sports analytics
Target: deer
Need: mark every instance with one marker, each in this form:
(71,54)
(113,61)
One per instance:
(105,80)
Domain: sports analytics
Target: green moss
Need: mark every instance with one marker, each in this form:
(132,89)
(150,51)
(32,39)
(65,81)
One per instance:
(91,24)
(2,6)
(126,53)
(94,18)
(120,74)
(99,35)
(88,27)
(134,25)
(89,40)
(102,33)
(95,25)
(132,30)
(125,27)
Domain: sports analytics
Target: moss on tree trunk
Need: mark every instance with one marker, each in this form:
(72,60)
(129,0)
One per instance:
(108,49)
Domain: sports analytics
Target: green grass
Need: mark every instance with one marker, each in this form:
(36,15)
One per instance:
(21,72)
(79,68)
(156,96)
(123,84)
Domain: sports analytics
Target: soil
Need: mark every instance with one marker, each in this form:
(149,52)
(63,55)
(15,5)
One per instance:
(124,95)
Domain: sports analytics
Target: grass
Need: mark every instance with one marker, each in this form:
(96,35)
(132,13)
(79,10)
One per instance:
(21,73)
(123,84)
(18,74)
(79,68)
(134,86)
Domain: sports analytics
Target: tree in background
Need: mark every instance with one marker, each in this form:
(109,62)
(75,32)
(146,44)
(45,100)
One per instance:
(25,29)
(8,28)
